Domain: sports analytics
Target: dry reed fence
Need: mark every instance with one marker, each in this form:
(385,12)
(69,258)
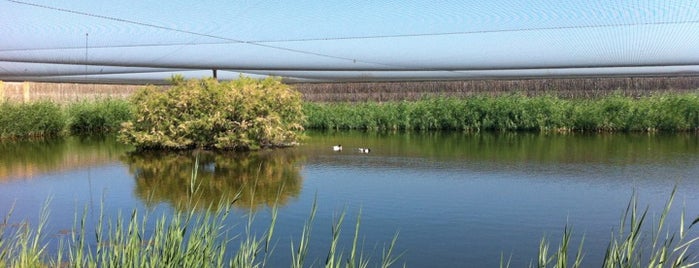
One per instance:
(561,87)
(392,91)
(62,92)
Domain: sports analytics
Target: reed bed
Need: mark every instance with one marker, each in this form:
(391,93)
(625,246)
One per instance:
(514,112)
(507,112)
(104,115)
(37,119)
(49,119)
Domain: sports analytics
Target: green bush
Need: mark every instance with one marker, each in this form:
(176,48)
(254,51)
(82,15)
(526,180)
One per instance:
(36,119)
(98,116)
(244,114)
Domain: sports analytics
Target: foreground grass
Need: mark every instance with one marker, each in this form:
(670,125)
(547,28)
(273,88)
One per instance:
(186,238)
(193,239)
(664,112)
(183,239)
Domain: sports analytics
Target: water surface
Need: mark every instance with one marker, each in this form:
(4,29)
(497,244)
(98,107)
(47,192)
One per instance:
(455,199)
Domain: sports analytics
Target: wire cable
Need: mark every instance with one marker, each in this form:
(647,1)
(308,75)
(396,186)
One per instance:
(233,40)
(265,43)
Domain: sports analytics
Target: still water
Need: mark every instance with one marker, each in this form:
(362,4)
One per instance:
(455,199)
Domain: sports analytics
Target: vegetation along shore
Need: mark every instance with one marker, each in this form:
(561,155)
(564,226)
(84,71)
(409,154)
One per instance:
(664,111)
(514,112)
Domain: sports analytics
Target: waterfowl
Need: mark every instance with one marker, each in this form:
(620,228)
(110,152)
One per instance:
(364,150)
(337,148)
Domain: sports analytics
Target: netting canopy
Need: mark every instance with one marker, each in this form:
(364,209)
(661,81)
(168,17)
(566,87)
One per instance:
(137,41)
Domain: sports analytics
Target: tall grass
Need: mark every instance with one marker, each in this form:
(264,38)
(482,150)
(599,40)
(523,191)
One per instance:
(514,112)
(31,119)
(510,112)
(48,119)
(104,115)
(189,238)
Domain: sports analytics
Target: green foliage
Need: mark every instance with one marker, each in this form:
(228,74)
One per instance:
(31,119)
(514,112)
(98,116)
(245,114)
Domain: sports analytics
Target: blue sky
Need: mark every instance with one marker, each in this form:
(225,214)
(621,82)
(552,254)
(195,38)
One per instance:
(346,39)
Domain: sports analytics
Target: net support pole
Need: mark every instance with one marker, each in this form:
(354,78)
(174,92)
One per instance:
(215,73)
(25,91)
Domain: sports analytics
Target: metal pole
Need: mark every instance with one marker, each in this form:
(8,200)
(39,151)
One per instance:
(86,36)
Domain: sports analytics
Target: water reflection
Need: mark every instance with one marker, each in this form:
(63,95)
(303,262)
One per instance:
(452,195)
(261,178)
(510,147)
(25,159)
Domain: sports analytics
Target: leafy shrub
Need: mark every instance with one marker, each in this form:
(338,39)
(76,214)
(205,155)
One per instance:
(244,114)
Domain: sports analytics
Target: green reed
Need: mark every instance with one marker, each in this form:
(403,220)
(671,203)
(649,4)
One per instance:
(31,119)
(47,119)
(104,115)
(514,112)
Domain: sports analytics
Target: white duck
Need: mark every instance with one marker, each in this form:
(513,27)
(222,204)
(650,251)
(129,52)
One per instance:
(337,148)
(364,150)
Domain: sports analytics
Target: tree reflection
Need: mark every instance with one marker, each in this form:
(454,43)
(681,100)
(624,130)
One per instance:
(261,178)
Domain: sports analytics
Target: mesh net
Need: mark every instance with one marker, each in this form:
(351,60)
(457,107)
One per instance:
(346,40)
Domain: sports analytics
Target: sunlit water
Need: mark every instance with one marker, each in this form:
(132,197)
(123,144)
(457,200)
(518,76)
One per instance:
(454,199)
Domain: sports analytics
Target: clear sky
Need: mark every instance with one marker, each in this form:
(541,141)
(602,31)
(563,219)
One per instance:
(347,39)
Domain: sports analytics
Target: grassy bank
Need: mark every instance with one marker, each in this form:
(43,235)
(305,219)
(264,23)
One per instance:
(514,112)
(48,119)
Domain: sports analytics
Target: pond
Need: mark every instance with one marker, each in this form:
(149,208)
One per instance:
(454,199)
